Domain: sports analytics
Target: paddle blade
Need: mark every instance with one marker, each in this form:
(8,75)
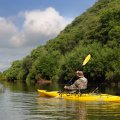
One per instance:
(86,59)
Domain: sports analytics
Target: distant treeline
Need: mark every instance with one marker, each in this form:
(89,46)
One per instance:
(95,32)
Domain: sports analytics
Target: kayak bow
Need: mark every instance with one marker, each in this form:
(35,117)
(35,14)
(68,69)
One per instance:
(91,97)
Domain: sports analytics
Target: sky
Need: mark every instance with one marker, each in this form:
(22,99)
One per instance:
(26,24)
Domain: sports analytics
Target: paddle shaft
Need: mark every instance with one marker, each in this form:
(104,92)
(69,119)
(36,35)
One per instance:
(97,87)
(87,58)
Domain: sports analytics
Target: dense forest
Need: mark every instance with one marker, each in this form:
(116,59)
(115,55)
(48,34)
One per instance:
(95,32)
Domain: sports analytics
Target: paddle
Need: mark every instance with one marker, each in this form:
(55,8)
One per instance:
(87,58)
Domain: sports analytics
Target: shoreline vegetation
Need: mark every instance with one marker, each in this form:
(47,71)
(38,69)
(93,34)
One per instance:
(95,32)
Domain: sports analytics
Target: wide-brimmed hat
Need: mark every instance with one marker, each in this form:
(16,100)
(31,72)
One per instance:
(80,73)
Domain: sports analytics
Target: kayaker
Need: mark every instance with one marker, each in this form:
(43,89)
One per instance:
(80,84)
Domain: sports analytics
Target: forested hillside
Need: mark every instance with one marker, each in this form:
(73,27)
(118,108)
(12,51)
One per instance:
(95,32)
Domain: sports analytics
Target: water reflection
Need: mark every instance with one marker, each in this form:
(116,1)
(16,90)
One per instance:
(61,109)
(19,102)
(2,88)
(65,109)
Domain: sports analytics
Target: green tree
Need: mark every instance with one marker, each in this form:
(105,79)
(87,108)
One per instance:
(12,72)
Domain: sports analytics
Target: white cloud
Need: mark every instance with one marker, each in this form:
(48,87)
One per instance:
(40,26)
(37,26)
(17,40)
(7,30)
(8,55)
(3,66)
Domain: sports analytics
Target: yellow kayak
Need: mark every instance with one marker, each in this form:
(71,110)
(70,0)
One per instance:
(91,97)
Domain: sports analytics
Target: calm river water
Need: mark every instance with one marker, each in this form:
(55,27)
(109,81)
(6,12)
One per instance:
(20,102)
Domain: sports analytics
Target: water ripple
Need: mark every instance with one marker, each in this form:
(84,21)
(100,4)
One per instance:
(29,106)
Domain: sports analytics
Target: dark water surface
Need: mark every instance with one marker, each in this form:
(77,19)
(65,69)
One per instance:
(20,102)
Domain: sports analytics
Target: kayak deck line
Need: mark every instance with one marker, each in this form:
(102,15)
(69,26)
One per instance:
(92,97)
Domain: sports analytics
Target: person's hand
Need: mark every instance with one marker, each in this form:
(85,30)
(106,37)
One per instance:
(65,87)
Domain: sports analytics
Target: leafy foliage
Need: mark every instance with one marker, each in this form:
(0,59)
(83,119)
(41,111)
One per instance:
(95,32)
(12,72)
